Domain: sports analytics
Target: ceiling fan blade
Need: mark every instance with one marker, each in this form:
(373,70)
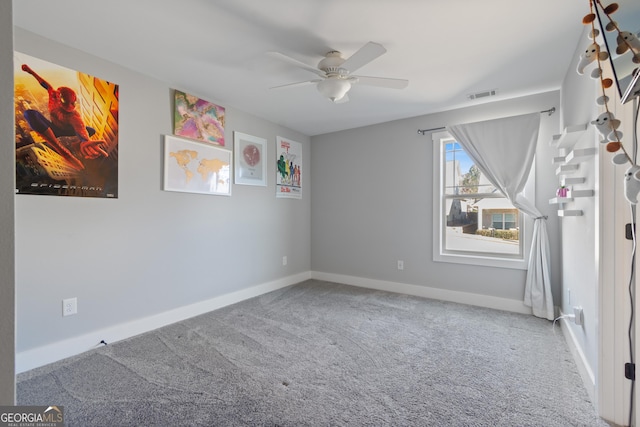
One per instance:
(363,56)
(297,84)
(382,82)
(297,63)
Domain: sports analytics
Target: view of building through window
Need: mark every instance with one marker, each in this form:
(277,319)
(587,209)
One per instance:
(477,217)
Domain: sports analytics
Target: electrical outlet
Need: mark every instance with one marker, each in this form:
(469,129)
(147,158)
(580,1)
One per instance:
(578,319)
(284,260)
(69,306)
(630,371)
(400,265)
(629,232)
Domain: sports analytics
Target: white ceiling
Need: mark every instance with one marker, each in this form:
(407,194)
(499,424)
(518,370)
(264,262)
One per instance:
(216,49)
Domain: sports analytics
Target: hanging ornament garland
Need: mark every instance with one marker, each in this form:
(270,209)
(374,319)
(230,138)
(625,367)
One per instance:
(606,123)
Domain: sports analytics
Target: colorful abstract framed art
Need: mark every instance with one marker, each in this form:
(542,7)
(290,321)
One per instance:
(198,119)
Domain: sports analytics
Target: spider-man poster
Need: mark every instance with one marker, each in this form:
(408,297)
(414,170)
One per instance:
(66,131)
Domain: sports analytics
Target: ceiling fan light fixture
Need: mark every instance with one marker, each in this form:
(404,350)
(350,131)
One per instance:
(331,63)
(334,89)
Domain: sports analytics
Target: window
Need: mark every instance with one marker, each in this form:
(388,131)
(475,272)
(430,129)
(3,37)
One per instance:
(473,222)
(504,220)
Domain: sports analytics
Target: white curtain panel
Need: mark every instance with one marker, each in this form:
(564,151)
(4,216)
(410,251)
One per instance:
(503,149)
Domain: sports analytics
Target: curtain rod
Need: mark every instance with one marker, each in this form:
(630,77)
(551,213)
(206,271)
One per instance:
(423,131)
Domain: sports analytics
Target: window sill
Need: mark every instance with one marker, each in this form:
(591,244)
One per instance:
(517,264)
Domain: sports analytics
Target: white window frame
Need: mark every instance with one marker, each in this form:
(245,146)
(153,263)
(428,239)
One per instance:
(440,254)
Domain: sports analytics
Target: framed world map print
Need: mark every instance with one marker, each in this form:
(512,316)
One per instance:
(195,167)
(250,159)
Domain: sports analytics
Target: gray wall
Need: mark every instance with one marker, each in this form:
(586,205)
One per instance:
(596,254)
(372,202)
(580,253)
(7,190)
(148,251)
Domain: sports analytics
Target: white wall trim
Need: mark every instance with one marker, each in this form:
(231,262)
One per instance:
(487,301)
(40,356)
(33,358)
(585,371)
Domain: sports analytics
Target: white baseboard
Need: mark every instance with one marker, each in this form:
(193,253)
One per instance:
(584,369)
(427,292)
(40,356)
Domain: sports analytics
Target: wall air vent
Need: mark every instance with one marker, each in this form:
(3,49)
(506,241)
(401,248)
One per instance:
(483,94)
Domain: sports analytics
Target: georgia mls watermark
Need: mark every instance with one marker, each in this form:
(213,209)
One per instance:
(31,416)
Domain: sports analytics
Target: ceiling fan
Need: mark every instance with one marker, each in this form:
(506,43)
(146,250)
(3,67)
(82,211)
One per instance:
(335,72)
